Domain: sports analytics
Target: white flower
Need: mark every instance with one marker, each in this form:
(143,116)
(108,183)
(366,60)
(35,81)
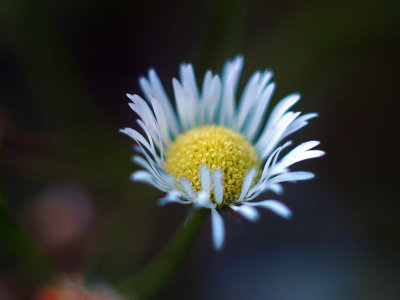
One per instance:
(211,153)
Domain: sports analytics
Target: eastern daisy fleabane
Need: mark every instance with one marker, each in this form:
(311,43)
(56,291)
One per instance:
(212,153)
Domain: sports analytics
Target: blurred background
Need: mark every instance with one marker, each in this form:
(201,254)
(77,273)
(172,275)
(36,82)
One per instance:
(65,67)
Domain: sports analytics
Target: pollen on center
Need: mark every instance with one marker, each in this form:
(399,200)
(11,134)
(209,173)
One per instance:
(216,147)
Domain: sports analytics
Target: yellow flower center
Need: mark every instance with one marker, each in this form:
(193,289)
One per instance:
(216,147)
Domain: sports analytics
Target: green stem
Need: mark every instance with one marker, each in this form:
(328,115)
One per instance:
(153,277)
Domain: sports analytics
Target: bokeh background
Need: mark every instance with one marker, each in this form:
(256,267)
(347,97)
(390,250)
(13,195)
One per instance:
(65,67)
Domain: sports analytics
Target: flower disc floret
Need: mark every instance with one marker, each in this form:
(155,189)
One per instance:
(216,147)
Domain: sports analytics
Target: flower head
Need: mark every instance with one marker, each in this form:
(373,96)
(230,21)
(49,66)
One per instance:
(211,153)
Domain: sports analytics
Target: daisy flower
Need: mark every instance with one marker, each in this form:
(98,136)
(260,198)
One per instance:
(210,151)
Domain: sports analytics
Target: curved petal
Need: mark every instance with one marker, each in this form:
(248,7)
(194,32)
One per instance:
(218,229)
(218,186)
(291,176)
(247,181)
(205,179)
(246,211)
(146,177)
(172,197)
(277,207)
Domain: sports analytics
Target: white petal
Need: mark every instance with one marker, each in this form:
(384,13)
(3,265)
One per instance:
(142,142)
(277,207)
(186,184)
(230,77)
(185,104)
(218,186)
(299,123)
(154,88)
(214,99)
(203,200)
(205,179)
(161,120)
(247,181)
(218,229)
(172,197)
(142,108)
(291,176)
(207,81)
(281,108)
(272,159)
(149,166)
(257,117)
(143,176)
(265,78)
(188,80)
(246,211)
(276,188)
(276,134)
(247,100)
(299,153)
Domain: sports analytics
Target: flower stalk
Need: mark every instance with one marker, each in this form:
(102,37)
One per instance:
(156,275)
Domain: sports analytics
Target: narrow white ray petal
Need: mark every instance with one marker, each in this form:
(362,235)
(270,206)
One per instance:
(305,146)
(183,105)
(247,181)
(299,123)
(203,200)
(188,80)
(187,185)
(142,108)
(159,158)
(173,196)
(291,176)
(161,120)
(140,140)
(214,99)
(247,100)
(159,144)
(153,161)
(264,185)
(169,180)
(230,77)
(208,77)
(155,89)
(150,168)
(218,186)
(205,95)
(256,189)
(257,117)
(306,155)
(273,156)
(277,135)
(276,188)
(205,179)
(210,97)
(299,153)
(277,114)
(218,229)
(246,211)
(147,132)
(274,132)
(265,78)
(282,107)
(277,207)
(191,94)
(145,177)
